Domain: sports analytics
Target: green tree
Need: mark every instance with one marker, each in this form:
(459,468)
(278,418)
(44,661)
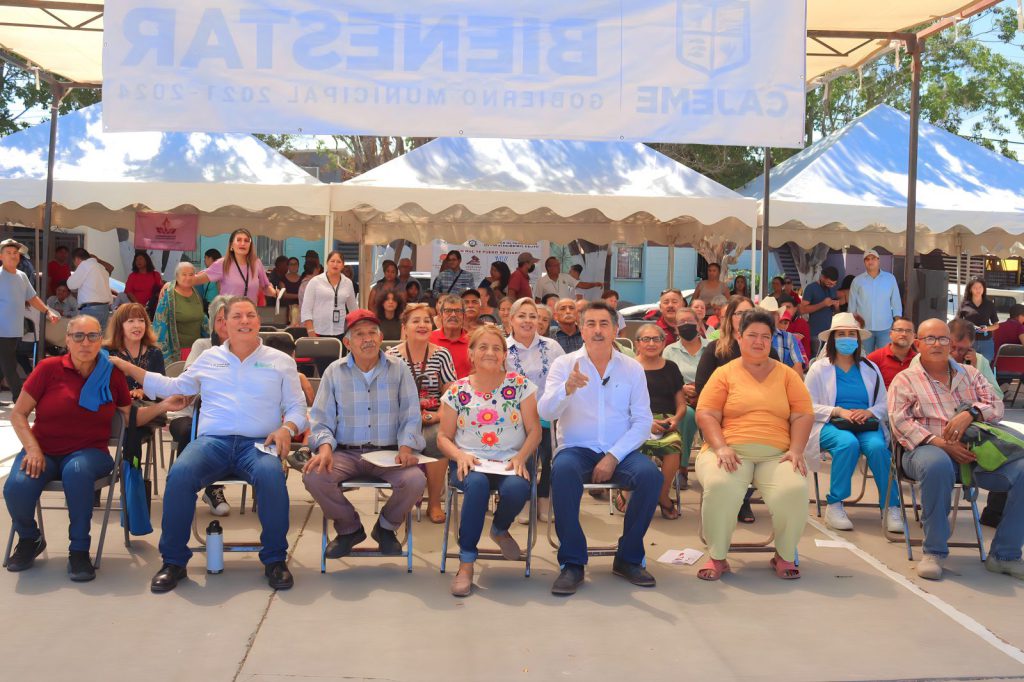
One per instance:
(21,94)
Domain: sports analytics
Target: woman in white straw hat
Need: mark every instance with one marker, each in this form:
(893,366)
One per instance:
(850,418)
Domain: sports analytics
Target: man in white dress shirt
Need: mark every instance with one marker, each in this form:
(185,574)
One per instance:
(91,281)
(251,397)
(599,397)
(555,281)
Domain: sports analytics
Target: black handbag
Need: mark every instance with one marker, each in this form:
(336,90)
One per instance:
(870,424)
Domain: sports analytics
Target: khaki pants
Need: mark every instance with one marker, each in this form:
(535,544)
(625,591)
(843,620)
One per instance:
(784,491)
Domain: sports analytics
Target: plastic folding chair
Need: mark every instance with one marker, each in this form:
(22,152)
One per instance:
(297,332)
(452,509)
(375,484)
(174,369)
(626,342)
(117,427)
(272,333)
(320,348)
(898,476)
(271,318)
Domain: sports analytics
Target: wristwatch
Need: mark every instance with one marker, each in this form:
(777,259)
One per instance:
(975,413)
(290,430)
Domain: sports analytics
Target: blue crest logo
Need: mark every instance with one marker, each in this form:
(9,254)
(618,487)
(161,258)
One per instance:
(713,36)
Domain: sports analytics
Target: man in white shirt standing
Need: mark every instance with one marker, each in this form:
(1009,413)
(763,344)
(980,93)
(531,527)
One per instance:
(875,296)
(554,281)
(251,397)
(91,281)
(599,397)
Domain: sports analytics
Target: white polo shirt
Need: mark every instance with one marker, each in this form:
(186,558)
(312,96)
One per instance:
(92,282)
(249,398)
(564,286)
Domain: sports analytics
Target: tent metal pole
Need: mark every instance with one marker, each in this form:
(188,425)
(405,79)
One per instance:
(57,91)
(765,228)
(753,256)
(670,281)
(328,236)
(958,255)
(909,277)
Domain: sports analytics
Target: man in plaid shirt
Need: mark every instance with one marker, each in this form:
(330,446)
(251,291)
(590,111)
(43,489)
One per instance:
(367,401)
(931,404)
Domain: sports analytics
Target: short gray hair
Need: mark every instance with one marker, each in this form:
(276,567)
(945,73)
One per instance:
(77,319)
(183,264)
(216,304)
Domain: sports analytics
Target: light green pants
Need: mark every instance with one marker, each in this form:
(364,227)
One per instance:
(784,491)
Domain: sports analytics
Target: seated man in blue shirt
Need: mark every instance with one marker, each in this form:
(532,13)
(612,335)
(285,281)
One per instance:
(367,401)
(599,397)
(251,397)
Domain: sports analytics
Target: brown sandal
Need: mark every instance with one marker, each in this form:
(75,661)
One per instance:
(714,569)
(621,501)
(669,511)
(436,514)
(785,570)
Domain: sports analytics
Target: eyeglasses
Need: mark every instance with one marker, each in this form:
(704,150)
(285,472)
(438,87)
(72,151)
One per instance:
(894,330)
(650,339)
(452,311)
(932,340)
(79,337)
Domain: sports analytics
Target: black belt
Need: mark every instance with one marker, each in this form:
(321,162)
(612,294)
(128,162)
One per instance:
(86,305)
(366,446)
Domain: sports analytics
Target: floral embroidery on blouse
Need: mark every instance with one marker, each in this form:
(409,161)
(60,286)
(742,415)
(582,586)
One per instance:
(490,424)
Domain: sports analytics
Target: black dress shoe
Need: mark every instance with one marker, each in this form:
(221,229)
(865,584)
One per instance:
(167,578)
(387,540)
(343,544)
(278,575)
(80,568)
(25,553)
(634,573)
(568,580)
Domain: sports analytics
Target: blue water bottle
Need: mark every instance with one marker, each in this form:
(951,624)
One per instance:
(214,548)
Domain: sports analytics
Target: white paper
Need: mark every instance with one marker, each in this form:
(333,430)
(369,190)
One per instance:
(494,466)
(277,303)
(832,544)
(267,449)
(681,557)
(386,458)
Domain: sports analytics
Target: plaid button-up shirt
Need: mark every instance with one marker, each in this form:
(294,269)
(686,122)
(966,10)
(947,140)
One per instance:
(451,282)
(788,348)
(351,409)
(920,406)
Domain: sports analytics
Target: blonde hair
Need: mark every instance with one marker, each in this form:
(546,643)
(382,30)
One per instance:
(488,328)
(414,308)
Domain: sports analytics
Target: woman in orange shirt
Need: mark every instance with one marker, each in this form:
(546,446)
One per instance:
(751,436)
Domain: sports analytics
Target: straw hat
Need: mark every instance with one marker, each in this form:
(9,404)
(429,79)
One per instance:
(844,321)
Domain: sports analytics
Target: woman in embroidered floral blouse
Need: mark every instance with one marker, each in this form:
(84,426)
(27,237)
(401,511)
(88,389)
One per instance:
(488,418)
(531,355)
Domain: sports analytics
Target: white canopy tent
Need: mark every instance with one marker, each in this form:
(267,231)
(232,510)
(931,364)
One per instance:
(850,189)
(101,179)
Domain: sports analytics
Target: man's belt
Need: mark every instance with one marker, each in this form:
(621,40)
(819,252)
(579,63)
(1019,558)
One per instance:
(86,305)
(366,446)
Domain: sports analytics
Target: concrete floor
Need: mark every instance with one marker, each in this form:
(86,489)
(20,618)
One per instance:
(858,613)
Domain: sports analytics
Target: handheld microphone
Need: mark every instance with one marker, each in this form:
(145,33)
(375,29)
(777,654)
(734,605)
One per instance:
(604,382)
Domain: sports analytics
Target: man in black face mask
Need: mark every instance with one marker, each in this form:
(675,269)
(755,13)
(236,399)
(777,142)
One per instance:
(686,353)
(519,282)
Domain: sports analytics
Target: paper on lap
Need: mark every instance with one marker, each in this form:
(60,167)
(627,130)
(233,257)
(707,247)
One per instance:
(386,458)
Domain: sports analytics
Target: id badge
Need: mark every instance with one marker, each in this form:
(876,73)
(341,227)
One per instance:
(337,316)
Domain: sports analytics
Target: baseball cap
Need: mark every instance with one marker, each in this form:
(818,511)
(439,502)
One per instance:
(360,315)
(829,272)
(527,257)
(786,315)
(870,252)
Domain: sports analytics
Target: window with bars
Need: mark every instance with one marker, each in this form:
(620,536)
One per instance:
(629,261)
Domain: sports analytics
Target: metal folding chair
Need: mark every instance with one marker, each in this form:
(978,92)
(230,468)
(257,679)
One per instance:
(320,348)
(452,509)
(898,476)
(117,427)
(1009,367)
(862,466)
(375,484)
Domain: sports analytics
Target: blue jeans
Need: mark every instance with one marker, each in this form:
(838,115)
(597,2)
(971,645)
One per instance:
(937,474)
(78,472)
(878,339)
(100,311)
(213,458)
(514,493)
(846,448)
(572,468)
(986,347)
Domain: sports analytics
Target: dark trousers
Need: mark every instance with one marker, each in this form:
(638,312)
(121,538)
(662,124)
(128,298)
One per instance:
(9,365)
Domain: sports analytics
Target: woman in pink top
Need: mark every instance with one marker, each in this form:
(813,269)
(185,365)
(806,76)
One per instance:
(144,282)
(240,273)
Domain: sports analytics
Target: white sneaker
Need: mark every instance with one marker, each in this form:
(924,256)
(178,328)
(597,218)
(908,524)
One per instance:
(214,496)
(894,520)
(836,518)
(930,567)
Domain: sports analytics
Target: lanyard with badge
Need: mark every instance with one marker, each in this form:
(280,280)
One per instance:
(245,278)
(336,318)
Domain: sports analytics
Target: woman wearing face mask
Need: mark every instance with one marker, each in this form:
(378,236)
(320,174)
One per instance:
(850,418)
(686,354)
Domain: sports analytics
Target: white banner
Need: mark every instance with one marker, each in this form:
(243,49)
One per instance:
(477,257)
(698,71)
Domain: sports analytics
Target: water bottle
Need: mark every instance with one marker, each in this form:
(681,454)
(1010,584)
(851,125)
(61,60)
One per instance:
(214,548)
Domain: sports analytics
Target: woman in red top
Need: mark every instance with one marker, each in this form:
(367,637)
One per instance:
(144,283)
(58,392)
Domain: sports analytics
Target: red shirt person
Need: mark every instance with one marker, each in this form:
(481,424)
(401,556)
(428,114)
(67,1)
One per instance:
(1011,331)
(895,357)
(519,282)
(58,270)
(451,335)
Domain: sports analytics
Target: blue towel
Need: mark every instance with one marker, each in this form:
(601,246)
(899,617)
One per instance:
(96,391)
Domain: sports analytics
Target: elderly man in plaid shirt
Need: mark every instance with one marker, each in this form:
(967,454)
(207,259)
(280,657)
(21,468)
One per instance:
(931,404)
(367,401)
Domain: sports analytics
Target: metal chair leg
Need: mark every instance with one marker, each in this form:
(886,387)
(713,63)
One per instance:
(447,525)
(323,547)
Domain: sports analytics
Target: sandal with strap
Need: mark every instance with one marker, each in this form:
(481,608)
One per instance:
(714,569)
(669,511)
(436,514)
(621,501)
(785,570)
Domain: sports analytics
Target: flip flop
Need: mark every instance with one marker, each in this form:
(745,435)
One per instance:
(785,570)
(714,569)
(669,511)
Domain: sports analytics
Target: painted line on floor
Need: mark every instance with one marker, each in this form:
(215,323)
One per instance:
(952,612)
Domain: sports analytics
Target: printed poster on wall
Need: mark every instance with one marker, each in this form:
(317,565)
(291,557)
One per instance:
(166,231)
(477,257)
